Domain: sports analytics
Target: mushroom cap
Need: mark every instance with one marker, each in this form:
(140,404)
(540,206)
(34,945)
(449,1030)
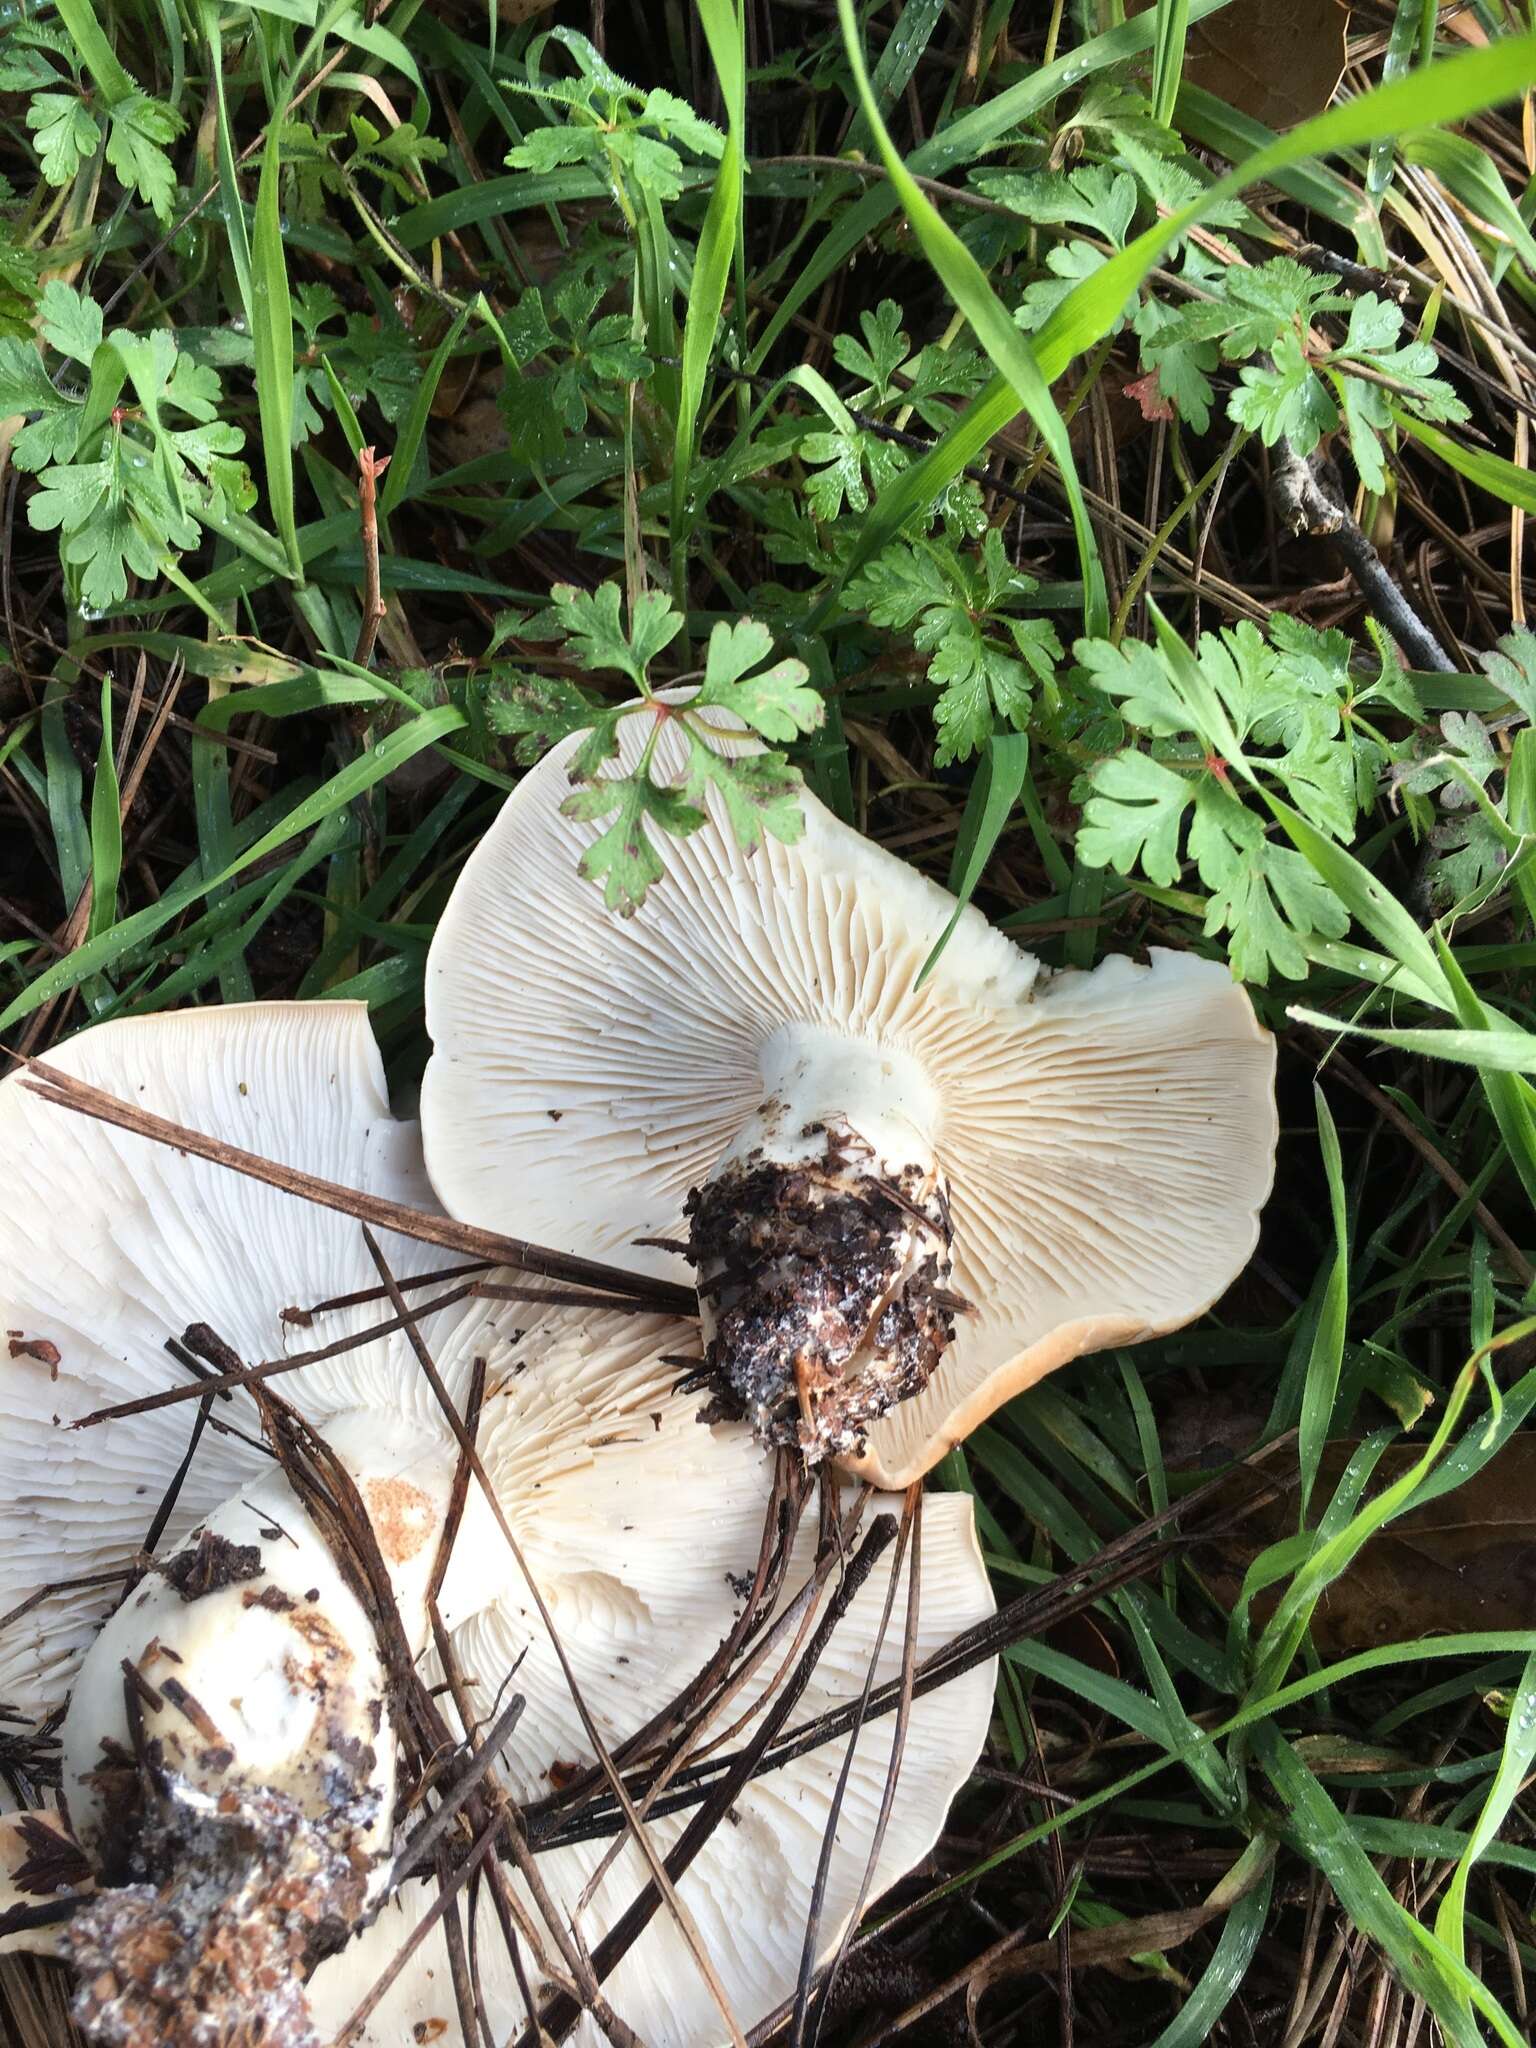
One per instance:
(748,1891)
(1107,1138)
(261,1666)
(112,1243)
(638,1520)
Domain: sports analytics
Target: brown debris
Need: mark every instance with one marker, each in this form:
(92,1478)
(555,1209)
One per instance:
(272,1597)
(214,1954)
(43,1349)
(828,1289)
(54,1861)
(210,1563)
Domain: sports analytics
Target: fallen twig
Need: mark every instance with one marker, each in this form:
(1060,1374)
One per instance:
(1307,508)
(370,467)
(69,1092)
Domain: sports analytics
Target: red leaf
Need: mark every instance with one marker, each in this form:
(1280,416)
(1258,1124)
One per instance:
(1148,394)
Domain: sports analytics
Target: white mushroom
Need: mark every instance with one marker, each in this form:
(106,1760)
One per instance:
(751,1063)
(639,1526)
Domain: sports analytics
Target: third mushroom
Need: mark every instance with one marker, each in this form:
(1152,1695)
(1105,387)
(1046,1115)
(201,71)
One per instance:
(905,1197)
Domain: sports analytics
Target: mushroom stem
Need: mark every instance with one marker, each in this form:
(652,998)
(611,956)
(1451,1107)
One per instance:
(822,1243)
(229,1757)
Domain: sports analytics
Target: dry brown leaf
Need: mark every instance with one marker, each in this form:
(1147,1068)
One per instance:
(1465,24)
(1278,61)
(1464,1563)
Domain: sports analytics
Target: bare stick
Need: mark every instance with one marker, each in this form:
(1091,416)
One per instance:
(426,1838)
(69,1092)
(252,1375)
(363,1295)
(1307,508)
(370,467)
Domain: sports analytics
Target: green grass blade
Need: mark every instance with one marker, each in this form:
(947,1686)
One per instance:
(977,131)
(342,789)
(999,779)
(270,318)
(1338,1547)
(966,282)
(719,239)
(408,441)
(1500,1052)
(1495,474)
(106,826)
(1451,90)
(270,312)
(1515,1761)
(1370,902)
(214,814)
(1222,1978)
(898,61)
(1168,57)
(1509,1096)
(1322,1382)
(64,792)
(96,52)
(223,954)
(1402,45)
(1426,1967)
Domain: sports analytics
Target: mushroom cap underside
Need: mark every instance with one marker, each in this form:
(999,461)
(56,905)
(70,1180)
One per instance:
(639,1522)
(1107,1138)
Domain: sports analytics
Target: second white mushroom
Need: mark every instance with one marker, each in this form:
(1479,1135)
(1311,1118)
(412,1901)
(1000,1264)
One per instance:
(229,1754)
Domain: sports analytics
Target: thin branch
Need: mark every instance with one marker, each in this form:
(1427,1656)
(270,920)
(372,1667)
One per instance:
(948,195)
(1307,508)
(272,1368)
(361,1296)
(370,467)
(69,1092)
(424,1841)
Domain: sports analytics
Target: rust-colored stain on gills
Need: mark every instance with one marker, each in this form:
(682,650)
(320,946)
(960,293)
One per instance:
(402,1515)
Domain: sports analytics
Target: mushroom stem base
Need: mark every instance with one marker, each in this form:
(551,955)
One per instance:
(215,1955)
(823,1289)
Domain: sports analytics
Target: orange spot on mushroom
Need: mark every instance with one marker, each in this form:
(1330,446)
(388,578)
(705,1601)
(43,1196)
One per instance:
(403,1518)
